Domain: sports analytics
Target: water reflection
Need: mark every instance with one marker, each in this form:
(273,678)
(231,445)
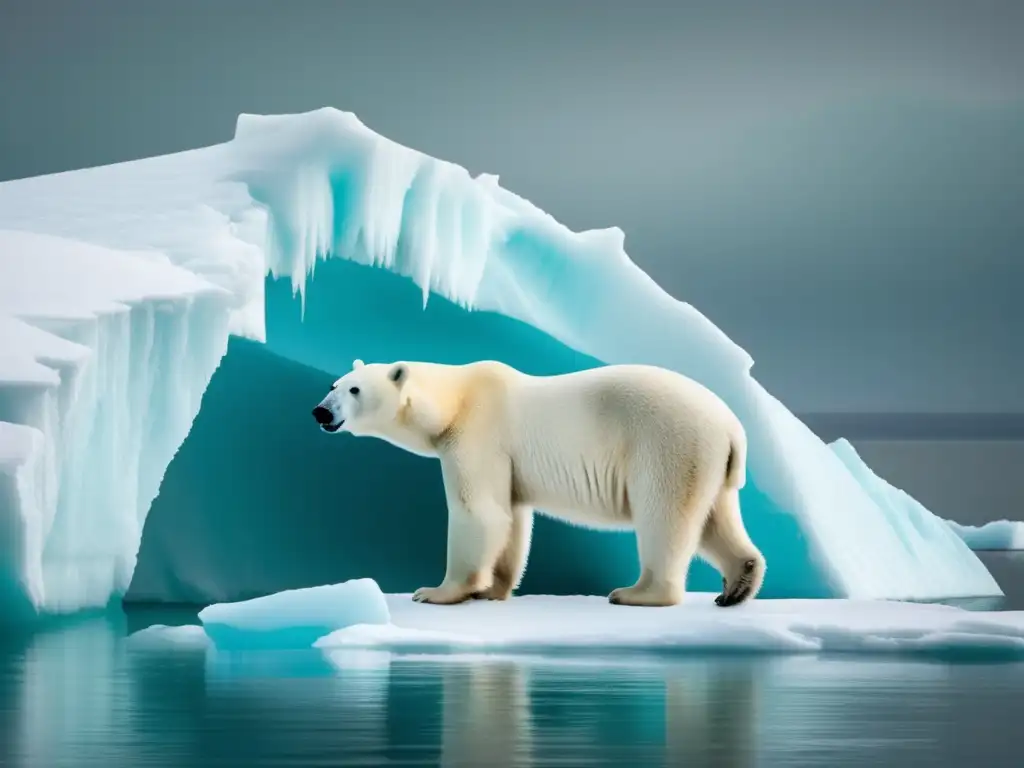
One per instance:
(485,714)
(711,713)
(80,696)
(52,707)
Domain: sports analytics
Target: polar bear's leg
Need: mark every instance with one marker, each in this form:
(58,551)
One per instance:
(479,527)
(508,570)
(726,545)
(477,534)
(667,537)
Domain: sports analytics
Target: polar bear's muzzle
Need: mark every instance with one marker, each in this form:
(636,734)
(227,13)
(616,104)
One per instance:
(325,418)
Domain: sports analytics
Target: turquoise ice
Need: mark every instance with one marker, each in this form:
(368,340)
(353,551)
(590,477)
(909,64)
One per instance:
(294,618)
(285,195)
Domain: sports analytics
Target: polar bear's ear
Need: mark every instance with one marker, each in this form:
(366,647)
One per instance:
(398,373)
(357,364)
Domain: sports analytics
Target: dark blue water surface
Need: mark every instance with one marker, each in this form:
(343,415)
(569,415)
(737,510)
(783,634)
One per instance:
(78,695)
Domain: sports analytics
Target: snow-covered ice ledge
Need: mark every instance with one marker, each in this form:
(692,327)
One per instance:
(346,621)
(292,189)
(550,625)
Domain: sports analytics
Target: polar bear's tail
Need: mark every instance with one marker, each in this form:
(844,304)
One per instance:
(736,464)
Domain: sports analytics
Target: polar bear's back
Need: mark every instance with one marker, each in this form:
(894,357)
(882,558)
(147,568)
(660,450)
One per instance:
(634,398)
(577,439)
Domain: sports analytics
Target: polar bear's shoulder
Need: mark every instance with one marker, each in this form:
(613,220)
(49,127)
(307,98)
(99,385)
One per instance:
(460,381)
(453,395)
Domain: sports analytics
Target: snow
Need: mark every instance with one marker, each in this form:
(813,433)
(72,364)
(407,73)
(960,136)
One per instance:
(537,624)
(996,535)
(105,358)
(294,618)
(290,190)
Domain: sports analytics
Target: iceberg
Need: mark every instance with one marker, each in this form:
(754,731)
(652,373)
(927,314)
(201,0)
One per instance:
(290,192)
(105,358)
(294,619)
(993,536)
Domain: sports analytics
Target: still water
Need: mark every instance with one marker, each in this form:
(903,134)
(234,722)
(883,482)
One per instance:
(76,695)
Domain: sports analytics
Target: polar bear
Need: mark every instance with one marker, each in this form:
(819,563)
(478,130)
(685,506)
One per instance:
(620,446)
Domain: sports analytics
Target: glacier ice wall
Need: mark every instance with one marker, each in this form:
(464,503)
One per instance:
(290,191)
(105,358)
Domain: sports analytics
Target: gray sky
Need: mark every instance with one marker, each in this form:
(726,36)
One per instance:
(838,186)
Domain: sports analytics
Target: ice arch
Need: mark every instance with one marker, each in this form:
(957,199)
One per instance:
(286,194)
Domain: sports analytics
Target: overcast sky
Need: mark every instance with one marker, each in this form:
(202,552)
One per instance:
(839,186)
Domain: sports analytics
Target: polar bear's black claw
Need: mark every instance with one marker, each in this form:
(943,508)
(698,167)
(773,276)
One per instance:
(735,597)
(740,591)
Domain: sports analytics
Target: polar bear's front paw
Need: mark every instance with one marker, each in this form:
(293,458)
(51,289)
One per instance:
(495,592)
(445,594)
(646,596)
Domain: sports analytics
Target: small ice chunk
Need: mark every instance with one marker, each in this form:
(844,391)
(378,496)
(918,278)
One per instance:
(295,618)
(161,636)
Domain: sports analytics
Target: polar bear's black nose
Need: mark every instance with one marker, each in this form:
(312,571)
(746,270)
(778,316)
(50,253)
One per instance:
(322,415)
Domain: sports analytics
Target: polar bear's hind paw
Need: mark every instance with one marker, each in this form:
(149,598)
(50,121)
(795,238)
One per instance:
(739,592)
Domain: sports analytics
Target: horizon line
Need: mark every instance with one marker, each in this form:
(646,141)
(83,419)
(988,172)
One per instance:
(830,426)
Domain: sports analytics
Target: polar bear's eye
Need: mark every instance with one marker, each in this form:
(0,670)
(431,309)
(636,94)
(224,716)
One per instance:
(353,391)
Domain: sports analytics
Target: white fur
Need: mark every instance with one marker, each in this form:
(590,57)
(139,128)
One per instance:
(625,446)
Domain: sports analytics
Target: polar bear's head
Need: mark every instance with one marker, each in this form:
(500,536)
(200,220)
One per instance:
(376,400)
(364,401)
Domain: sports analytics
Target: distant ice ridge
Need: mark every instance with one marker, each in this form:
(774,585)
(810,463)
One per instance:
(910,513)
(996,535)
(104,359)
(290,190)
